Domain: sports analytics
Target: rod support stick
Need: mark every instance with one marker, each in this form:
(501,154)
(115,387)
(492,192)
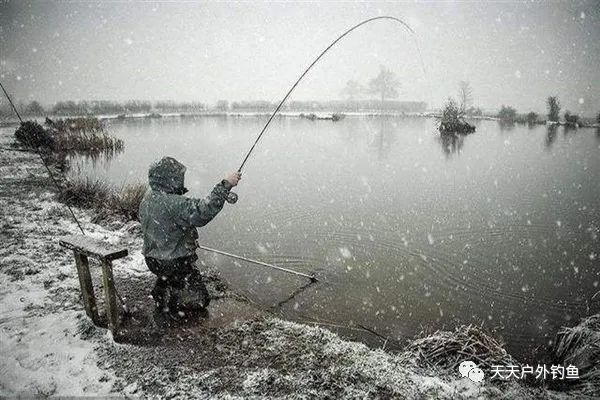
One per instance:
(264,264)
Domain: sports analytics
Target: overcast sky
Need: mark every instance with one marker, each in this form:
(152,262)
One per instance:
(512,52)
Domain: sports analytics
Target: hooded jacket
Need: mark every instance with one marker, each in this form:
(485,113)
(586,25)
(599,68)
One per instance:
(168,219)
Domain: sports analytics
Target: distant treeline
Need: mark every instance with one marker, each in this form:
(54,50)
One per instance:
(79,108)
(331,105)
(72,108)
(508,114)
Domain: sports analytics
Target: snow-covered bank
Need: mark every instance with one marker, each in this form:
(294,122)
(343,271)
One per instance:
(49,347)
(42,353)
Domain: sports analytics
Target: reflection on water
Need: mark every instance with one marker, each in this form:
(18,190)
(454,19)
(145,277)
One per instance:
(506,126)
(385,136)
(551,131)
(569,130)
(451,144)
(406,236)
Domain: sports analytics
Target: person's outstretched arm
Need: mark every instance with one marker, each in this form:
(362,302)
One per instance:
(200,212)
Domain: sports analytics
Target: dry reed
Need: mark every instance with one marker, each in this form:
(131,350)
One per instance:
(448,349)
(580,346)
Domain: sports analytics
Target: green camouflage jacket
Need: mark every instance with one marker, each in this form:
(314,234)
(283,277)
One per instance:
(169,220)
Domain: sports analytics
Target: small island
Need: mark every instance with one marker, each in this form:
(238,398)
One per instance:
(452,120)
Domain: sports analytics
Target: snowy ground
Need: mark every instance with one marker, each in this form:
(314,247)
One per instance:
(50,348)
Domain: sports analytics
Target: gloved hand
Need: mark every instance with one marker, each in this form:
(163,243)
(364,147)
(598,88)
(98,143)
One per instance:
(233,178)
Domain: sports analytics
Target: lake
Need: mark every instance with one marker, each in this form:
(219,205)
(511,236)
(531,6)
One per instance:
(409,231)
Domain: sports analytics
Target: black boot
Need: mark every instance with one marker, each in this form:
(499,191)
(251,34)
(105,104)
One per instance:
(161,295)
(194,296)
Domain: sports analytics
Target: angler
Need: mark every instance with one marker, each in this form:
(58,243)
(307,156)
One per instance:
(169,221)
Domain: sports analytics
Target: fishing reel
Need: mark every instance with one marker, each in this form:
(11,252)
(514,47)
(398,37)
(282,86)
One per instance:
(231,198)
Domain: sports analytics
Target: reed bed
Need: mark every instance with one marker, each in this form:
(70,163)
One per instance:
(447,349)
(86,124)
(83,135)
(70,141)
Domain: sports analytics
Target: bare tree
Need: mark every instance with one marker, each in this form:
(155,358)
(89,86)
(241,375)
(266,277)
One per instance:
(465,95)
(352,90)
(385,84)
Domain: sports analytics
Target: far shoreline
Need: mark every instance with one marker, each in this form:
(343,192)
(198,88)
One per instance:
(284,114)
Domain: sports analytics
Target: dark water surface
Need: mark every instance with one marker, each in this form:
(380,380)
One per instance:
(499,228)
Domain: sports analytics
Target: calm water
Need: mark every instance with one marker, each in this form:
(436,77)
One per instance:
(499,228)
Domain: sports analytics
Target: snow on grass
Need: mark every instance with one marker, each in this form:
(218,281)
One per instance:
(50,348)
(42,352)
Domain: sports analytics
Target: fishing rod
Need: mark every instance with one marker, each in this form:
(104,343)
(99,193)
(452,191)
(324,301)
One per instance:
(43,161)
(386,17)
(233,197)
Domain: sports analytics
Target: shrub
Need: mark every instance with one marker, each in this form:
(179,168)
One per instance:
(452,120)
(507,113)
(532,118)
(32,134)
(451,112)
(571,119)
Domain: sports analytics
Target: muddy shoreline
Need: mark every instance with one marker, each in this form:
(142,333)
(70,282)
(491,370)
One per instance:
(51,348)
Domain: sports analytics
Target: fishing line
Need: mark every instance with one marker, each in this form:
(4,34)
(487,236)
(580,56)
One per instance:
(36,150)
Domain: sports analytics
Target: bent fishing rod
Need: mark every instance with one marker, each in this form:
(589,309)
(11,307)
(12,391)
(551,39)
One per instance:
(232,198)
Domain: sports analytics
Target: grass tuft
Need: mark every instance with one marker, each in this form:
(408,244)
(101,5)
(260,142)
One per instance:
(126,202)
(85,192)
(104,199)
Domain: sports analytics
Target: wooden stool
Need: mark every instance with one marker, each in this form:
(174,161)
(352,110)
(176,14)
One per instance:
(84,247)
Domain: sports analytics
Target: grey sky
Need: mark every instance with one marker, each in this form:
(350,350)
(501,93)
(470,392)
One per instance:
(512,52)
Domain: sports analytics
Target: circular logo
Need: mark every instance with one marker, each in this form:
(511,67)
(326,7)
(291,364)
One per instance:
(468,369)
